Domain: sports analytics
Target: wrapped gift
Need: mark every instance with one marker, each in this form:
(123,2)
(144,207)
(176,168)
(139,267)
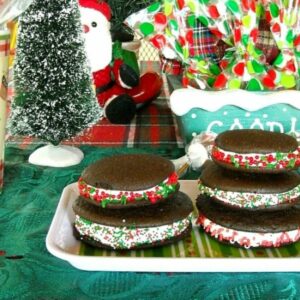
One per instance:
(205,44)
(253,85)
(4,57)
(170,25)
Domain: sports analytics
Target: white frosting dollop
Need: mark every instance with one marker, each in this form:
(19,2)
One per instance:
(183,100)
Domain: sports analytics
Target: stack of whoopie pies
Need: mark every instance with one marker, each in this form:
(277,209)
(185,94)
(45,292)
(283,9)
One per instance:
(250,192)
(130,202)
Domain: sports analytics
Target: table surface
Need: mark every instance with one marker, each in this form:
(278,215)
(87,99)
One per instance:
(28,271)
(28,203)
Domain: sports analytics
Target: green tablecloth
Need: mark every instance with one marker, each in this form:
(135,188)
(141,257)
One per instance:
(28,271)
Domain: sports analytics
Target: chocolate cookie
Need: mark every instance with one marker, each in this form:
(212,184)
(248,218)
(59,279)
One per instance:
(251,150)
(129,180)
(133,228)
(250,190)
(257,228)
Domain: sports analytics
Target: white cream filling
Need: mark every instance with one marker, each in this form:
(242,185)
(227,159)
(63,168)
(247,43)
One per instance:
(116,192)
(129,237)
(248,239)
(251,200)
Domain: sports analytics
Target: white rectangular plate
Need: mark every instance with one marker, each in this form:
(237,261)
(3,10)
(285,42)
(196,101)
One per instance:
(199,253)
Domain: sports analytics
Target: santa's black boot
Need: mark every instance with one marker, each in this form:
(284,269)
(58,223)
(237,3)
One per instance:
(128,76)
(124,75)
(120,110)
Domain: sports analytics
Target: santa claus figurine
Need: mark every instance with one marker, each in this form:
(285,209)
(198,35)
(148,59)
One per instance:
(119,89)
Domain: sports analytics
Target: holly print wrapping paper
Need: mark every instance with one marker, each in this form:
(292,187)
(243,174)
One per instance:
(284,19)
(168,25)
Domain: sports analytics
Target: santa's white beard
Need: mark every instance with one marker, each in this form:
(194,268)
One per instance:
(99,49)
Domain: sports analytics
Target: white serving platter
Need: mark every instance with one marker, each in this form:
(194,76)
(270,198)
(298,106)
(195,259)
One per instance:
(200,253)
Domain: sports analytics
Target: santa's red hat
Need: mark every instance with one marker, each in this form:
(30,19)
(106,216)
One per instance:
(100,6)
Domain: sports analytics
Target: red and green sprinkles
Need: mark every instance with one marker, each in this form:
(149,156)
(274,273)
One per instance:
(104,197)
(127,237)
(248,239)
(270,161)
(250,200)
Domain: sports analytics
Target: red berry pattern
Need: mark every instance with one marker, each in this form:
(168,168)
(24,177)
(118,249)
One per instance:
(161,191)
(248,239)
(261,161)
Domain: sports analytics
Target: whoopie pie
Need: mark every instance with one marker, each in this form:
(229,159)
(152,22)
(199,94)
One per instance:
(253,150)
(129,180)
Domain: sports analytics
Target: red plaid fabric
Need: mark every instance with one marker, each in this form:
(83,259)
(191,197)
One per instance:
(4,45)
(10,88)
(207,45)
(266,42)
(170,66)
(204,45)
(153,126)
(204,42)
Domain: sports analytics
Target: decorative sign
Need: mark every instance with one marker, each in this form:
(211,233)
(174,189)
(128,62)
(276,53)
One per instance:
(278,117)
(217,111)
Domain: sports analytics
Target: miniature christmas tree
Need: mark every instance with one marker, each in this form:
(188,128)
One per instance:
(54,96)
